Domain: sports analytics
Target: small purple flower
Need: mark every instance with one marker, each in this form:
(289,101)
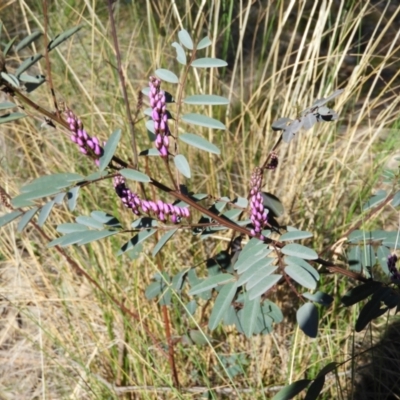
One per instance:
(159,116)
(259,215)
(138,206)
(87,145)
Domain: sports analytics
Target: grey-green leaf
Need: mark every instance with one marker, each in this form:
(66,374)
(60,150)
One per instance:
(7,104)
(57,181)
(62,37)
(180,53)
(199,142)
(251,311)
(202,120)
(319,297)
(307,318)
(295,235)
(105,219)
(28,40)
(185,39)
(210,283)
(91,236)
(206,99)
(45,212)
(382,255)
(140,237)
(8,46)
(35,194)
(182,165)
(298,250)
(301,276)
(109,149)
(396,199)
(11,117)
(27,64)
(375,200)
(280,124)
(166,75)
(134,175)
(26,218)
(71,227)
(10,78)
(154,289)
(222,303)
(163,240)
(205,42)
(89,221)
(5,219)
(208,62)
(264,285)
(72,197)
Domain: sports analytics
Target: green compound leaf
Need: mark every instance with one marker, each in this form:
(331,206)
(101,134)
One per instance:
(91,236)
(185,39)
(140,237)
(21,200)
(150,152)
(288,392)
(38,79)
(5,219)
(96,175)
(154,289)
(307,318)
(105,219)
(382,255)
(166,75)
(57,181)
(11,117)
(354,259)
(45,212)
(26,218)
(260,273)
(66,240)
(163,240)
(248,259)
(180,53)
(304,264)
(7,104)
(71,227)
(222,303)
(264,285)
(202,120)
(396,199)
(7,48)
(206,99)
(182,165)
(298,250)
(208,62)
(295,235)
(251,311)
(319,297)
(72,197)
(27,64)
(301,276)
(10,78)
(199,142)
(80,238)
(361,292)
(375,200)
(28,40)
(205,42)
(109,149)
(134,175)
(62,37)
(89,222)
(210,283)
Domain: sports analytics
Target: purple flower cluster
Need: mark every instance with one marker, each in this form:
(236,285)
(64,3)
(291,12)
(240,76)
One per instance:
(391,262)
(159,116)
(87,144)
(259,215)
(161,209)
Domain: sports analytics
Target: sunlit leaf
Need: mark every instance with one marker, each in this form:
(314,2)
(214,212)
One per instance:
(8,46)
(35,194)
(134,175)
(105,219)
(208,62)
(251,311)
(26,218)
(91,236)
(206,99)
(163,240)
(96,175)
(222,303)
(210,283)
(140,237)
(27,64)
(259,273)
(5,219)
(11,117)
(368,258)
(205,42)
(109,149)
(150,152)
(180,53)
(7,104)
(307,318)
(71,227)
(62,37)
(144,222)
(396,199)
(202,120)
(44,212)
(244,263)
(182,165)
(298,250)
(185,39)
(309,121)
(28,40)
(199,142)
(191,307)
(72,197)
(375,200)
(280,124)
(57,181)
(301,276)
(265,284)
(290,131)
(166,75)
(154,289)
(290,260)
(382,255)
(89,221)
(295,235)
(10,78)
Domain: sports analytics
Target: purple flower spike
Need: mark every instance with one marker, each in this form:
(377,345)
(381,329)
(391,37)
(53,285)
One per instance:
(87,145)
(159,116)
(259,215)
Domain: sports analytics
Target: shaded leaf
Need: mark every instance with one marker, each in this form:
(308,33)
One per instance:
(289,391)
(210,283)
(105,219)
(273,204)
(166,75)
(298,250)
(150,152)
(354,259)
(206,99)
(27,64)
(315,388)
(185,39)
(163,240)
(26,218)
(208,62)
(319,297)
(222,303)
(368,256)
(28,40)
(290,131)
(109,149)
(134,175)
(11,117)
(280,124)
(180,53)
(182,165)
(301,276)
(370,311)
(140,237)
(360,293)
(199,142)
(205,42)
(202,120)
(198,337)
(62,37)
(307,318)
(44,213)
(144,222)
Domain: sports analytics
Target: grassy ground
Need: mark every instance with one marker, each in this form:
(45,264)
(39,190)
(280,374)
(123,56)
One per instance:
(62,337)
